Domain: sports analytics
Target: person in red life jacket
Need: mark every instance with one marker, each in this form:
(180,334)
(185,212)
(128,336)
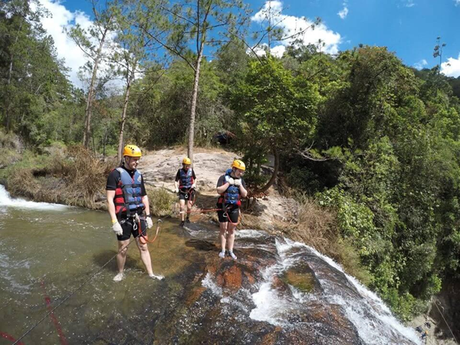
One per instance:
(128,206)
(232,189)
(185,183)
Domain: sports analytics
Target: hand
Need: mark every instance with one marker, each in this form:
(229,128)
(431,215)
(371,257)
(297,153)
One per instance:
(194,186)
(149,222)
(237,182)
(230,180)
(116,227)
(176,190)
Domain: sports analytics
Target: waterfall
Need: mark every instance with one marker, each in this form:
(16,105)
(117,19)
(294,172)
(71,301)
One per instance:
(7,201)
(371,317)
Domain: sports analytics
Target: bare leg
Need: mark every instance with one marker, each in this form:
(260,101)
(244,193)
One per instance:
(189,208)
(145,256)
(231,236)
(121,256)
(182,209)
(222,235)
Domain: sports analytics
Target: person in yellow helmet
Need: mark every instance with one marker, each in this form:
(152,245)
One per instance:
(128,206)
(185,184)
(231,188)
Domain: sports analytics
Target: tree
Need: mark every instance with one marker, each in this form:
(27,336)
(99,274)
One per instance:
(201,24)
(135,49)
(93,43)
(276,112)
(33,85)
(437,51)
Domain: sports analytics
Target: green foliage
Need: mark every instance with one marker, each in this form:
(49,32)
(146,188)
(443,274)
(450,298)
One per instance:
(161,201)
(275,111)
(355,219)
(159,113)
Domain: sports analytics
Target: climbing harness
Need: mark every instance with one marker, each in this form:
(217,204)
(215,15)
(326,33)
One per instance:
(189,195)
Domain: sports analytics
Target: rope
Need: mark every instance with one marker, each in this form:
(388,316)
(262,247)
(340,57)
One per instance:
(57,325)
(69,295)
(436,304)
(143,239)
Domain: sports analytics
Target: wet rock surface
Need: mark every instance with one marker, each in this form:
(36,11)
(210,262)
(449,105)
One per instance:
(254,300)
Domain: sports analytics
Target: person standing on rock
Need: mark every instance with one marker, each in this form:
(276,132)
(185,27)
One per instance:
(128,206)
(231,189)
(185,184)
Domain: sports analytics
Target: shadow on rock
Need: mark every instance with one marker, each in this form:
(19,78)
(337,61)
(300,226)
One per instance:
(201,245)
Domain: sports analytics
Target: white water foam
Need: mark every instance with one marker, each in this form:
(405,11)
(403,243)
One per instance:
(371,332)
(272,307)
(209,284)
(6,200)
(248,233)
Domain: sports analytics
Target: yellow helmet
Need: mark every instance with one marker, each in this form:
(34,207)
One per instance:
(132,151)
(186,161)
(238,164)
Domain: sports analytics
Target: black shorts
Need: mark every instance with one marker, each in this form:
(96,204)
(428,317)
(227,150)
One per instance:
(128,228)
(186,195)
(232,212)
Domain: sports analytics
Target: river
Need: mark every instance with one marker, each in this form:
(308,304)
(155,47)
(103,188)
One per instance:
(56,287)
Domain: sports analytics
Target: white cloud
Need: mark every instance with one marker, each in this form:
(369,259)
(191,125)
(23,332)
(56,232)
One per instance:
(60,20)
(457,2)
(301,25)
(419,65)
(451,68)
(343,13)
(409,3)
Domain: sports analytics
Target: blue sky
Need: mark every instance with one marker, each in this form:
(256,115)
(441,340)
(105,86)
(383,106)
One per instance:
(408,28)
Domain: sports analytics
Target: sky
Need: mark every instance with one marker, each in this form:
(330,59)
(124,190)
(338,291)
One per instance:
(408,28)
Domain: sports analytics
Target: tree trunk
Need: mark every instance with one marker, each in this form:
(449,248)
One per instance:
(123,114)
(191,134)
(275,172)
(89,100)
(8,83)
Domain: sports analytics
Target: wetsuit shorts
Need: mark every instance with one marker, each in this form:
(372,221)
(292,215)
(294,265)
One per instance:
(232,212)
(129,227)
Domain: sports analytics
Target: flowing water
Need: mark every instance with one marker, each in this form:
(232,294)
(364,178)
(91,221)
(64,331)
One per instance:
(57,265)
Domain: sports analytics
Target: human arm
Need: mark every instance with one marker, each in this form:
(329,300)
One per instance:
(194,179)
(148,216)
(176,182)
(223,183)
(243,191)
(111,205)
(116,227)
(176,186)
(242,187)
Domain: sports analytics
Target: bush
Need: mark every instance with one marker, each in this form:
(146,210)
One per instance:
(75,179)
(161,202)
